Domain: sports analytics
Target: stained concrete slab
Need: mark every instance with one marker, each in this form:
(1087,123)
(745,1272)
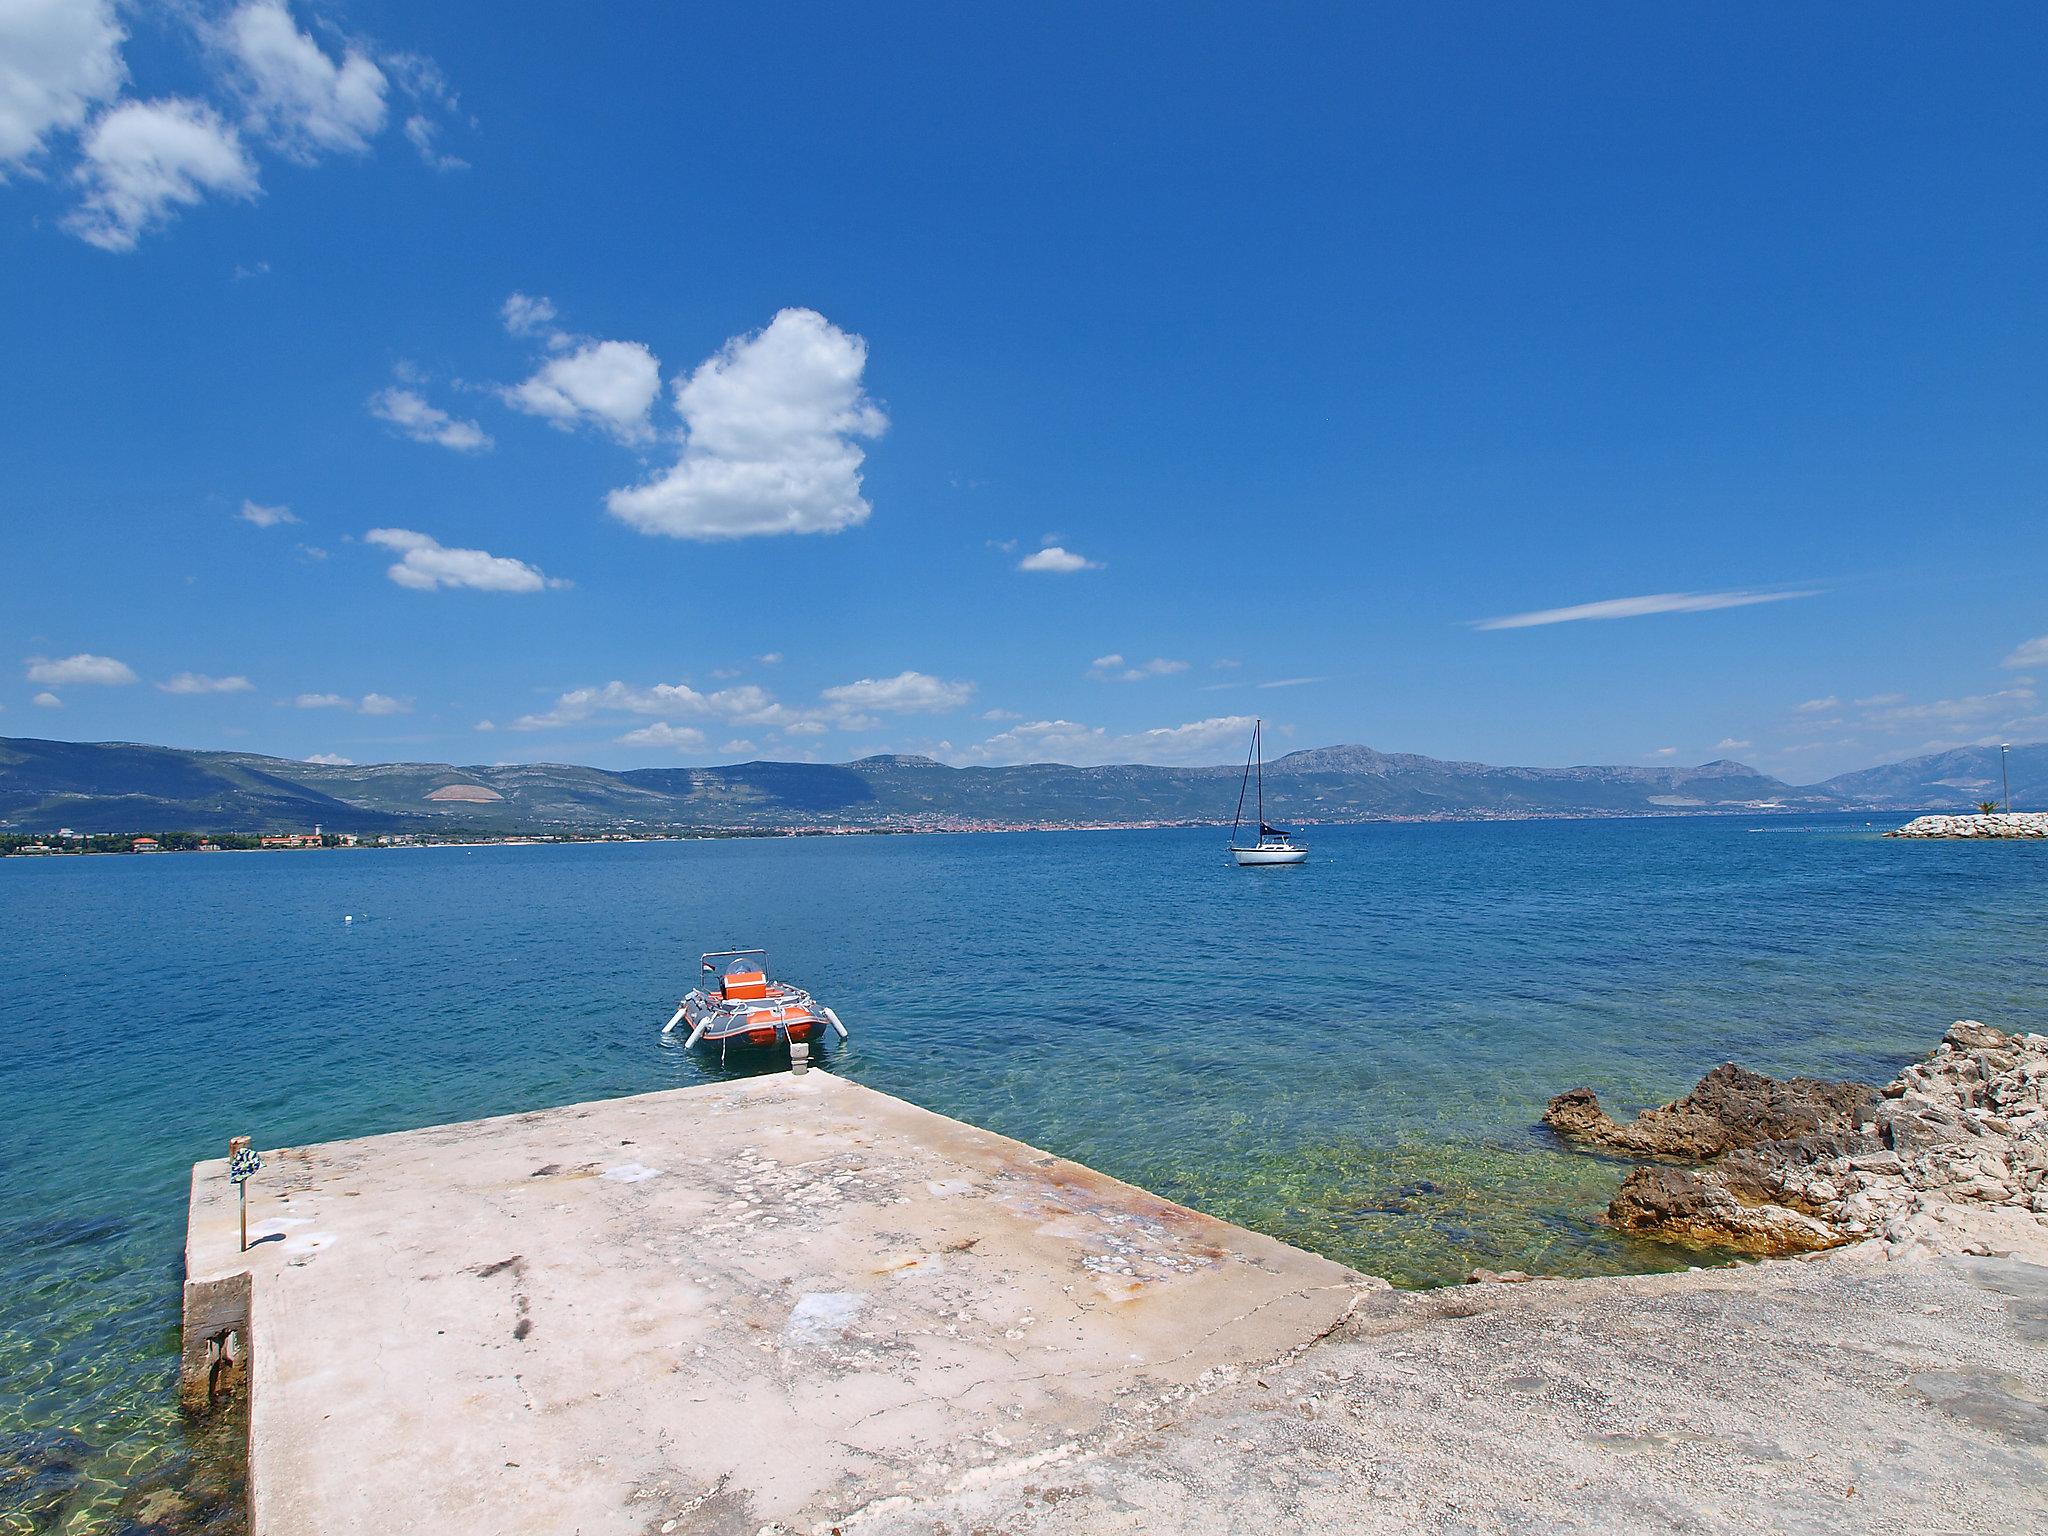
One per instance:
(800,1305)
(784,1302)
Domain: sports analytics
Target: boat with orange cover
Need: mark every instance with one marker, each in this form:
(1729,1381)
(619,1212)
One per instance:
(742,1007)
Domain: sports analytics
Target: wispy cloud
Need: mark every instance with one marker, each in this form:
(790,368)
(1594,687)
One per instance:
(2030,653)
(1641,607)
(1114,669)
(266,517)
(1818,706)
(199,682)
(1293,682)
(409,412)
(1066,741)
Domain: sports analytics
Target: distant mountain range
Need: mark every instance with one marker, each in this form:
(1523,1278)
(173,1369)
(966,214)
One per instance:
(122,787)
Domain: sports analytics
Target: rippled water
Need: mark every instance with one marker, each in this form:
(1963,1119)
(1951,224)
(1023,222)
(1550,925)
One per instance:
(1351,1055)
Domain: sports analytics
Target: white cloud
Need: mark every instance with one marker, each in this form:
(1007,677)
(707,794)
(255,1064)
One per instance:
(1818,706)
(1984,708)
(744,705)
(662,734)
(1292,682)
(526,315)
(384,704)
(2030,653)
(266,517)
(1878,700)
(1000,714)
(1113,669)
(58,59)
(47,701)
(907,693)
(1730,744)
(425,565)
(608,384)
(199,682)
(322,701)
(331,760)
(740,747)
(769,658)
(86,668)
(410,413)
(1638,607)
(805,728)
(142,160)
(298,97)
(769,424)
(1060,561)
(1064,741)
(420,132)
(1663,752)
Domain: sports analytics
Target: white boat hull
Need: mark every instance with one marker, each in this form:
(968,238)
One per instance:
(1246,856)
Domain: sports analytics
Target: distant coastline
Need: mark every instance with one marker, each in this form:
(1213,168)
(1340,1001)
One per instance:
(24,846)
(54,790)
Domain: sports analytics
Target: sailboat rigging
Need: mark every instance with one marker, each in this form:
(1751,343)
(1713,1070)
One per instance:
(1273,845)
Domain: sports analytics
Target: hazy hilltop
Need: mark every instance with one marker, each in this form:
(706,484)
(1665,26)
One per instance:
(1949,780)
(123,786)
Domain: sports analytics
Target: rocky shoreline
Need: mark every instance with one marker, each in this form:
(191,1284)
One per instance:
(1949,1157)
(1993,824)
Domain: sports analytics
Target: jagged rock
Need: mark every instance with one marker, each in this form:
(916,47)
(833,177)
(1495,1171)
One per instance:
(1802,1165)
(1730,1108)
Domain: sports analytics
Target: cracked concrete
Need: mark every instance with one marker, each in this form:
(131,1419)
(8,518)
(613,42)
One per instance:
(797,1305)
(778,1302)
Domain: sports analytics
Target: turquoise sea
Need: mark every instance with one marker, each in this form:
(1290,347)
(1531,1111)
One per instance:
(1351,1055)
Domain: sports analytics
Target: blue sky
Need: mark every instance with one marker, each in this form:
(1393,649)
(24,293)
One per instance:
(639,385)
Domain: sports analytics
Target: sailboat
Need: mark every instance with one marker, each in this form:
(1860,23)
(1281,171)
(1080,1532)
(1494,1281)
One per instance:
(1273,845)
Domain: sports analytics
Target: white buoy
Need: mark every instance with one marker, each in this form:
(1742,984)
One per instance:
(346,918)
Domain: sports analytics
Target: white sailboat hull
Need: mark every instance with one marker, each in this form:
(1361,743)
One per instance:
(1246,856)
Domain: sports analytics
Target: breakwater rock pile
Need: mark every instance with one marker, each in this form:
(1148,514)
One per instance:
(1950,1157)
(1995,824)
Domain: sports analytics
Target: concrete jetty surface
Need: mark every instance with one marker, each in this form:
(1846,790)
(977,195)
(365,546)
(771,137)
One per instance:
(796,1304)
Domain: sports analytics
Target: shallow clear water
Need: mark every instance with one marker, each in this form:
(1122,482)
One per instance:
(1351,1055)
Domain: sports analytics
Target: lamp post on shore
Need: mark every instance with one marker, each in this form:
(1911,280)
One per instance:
(2005,773)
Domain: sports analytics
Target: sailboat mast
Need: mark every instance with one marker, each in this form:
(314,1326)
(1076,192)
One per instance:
(1243,783)
(1259,751)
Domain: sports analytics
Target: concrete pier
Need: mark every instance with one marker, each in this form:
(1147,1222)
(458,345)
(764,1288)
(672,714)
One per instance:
(782,1300)
(795,1304)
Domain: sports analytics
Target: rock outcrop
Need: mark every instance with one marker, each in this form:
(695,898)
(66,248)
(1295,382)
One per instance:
(1994,824)
(1731,1108)
(1952,1155)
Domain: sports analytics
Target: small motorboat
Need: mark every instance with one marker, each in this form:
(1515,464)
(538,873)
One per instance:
(1274,845)
(742,1007)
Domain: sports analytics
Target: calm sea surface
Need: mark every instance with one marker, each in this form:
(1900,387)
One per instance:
(1351,1055)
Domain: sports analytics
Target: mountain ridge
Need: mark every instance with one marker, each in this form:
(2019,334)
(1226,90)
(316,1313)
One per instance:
(133,786)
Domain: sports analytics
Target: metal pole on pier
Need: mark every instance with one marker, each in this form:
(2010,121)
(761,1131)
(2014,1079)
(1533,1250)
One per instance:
(2005,773)
(242,1162)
